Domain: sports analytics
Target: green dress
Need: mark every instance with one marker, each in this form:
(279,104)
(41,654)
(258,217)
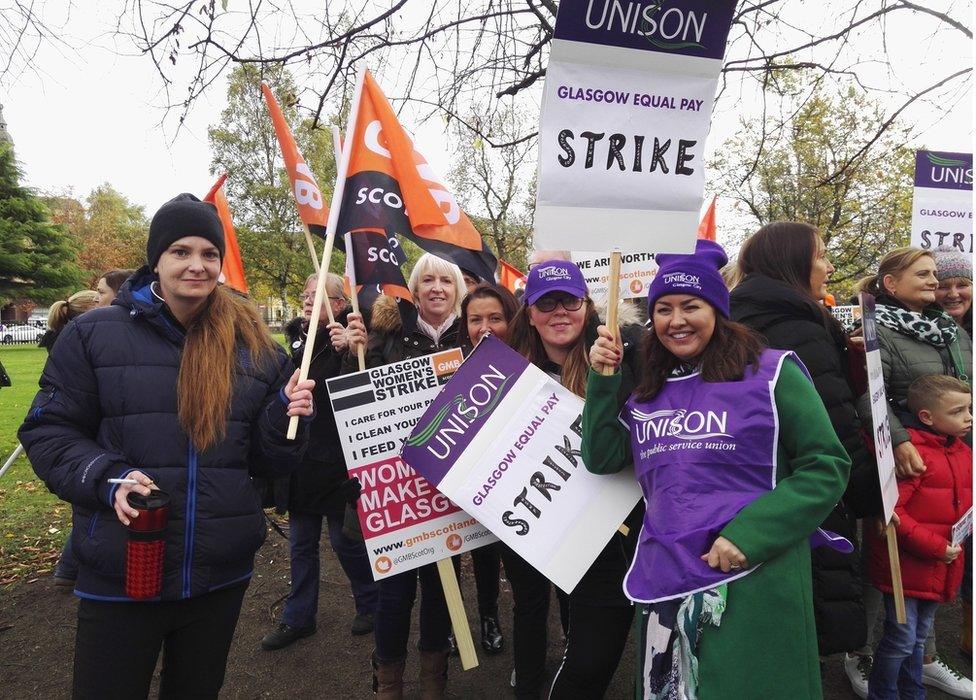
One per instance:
(766,645)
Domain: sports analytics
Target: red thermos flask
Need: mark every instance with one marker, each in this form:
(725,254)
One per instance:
(145,546)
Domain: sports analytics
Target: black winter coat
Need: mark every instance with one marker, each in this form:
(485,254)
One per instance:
(315,486)
(788,320)
(107,406)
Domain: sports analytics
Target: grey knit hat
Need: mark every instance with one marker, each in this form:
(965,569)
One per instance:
(950,263)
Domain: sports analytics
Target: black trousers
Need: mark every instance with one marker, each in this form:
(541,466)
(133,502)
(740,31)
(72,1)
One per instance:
(531,592)
(597,636)
(487,568)
(117,645)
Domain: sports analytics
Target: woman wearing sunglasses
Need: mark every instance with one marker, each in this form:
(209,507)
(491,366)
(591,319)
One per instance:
(554,330)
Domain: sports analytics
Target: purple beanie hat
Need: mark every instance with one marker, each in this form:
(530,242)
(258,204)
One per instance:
(697,275)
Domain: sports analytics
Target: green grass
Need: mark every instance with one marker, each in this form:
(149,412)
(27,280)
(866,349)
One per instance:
(33,522)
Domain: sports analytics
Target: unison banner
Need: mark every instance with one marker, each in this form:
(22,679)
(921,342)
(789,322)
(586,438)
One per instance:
(881,431)
(502,440)
(636,272)
(942,206)
(405,521)
(625,112)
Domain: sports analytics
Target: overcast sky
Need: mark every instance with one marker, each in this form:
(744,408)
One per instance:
(87,113)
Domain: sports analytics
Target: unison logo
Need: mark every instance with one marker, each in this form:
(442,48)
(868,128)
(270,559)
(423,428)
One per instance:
(671,28)
(461,413)
(553,272)
(680,423)
(949,170)
(682,278)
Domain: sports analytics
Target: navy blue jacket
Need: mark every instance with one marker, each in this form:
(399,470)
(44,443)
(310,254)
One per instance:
(107,406)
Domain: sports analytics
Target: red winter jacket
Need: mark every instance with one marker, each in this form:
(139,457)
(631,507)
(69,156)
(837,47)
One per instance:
(929,505)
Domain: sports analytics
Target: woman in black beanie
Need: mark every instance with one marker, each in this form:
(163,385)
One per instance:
(176,386)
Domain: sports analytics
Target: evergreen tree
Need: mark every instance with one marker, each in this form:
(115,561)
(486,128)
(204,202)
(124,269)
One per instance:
(37,259)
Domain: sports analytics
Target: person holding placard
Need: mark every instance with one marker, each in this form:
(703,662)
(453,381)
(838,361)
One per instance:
(929,504)
(487,308)
(915,338)
(553,329)
(739,464)
(320,487)
(784,268)
(436,287)
(165,403)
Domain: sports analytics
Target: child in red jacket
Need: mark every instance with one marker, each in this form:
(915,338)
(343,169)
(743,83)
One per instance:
(928,506)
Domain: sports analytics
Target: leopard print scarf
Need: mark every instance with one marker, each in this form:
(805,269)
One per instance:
(936,329)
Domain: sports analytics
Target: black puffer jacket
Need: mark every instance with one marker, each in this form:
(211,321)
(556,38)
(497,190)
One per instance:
(789,320)
(107,406)
(390,342)
(315,486)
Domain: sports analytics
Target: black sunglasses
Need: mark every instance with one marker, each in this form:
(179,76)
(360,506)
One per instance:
(549,302)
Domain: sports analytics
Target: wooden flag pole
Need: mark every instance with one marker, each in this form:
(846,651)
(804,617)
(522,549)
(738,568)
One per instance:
(329,241)
(459,619)
(350,263)
(311,251)
(898,591)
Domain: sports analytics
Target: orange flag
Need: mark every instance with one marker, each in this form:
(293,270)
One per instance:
(706,229)
(311,206)
(233,269)
(510,277)
(390,186)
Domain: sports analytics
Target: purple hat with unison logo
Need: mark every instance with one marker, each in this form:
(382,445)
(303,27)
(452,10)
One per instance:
(697,275)
(554,276)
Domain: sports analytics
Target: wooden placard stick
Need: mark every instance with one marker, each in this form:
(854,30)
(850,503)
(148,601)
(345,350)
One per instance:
(337,193)
(613,299)
(459,619)
(897,591)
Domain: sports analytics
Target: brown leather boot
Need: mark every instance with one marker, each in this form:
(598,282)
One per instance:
(387,679)
(433,674)
(967,630)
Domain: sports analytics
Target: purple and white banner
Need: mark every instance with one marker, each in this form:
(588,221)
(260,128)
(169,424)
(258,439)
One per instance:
(625,112)
(881,426)
(502,441)
(942,206)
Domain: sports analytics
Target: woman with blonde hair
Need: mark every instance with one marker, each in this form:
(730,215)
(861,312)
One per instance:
(65,310)
(177,390)
(437,288)
(916,338)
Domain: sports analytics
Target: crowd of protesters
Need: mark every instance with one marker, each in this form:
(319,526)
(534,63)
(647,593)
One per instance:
(738,573)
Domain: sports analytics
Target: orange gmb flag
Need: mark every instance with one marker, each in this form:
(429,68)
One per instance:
(390,187)
(232,272)
(510,277)
(706,229)
(311,206)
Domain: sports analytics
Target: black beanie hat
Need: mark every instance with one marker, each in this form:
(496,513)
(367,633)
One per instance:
(184,215)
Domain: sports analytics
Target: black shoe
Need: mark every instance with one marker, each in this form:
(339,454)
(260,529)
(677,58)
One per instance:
(285,635)
(452,645)
(492,640)
(362,624)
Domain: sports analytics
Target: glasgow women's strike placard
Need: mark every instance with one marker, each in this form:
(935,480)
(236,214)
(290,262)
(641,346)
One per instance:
(942,206)
(405,521)
(502,440)
(625,112)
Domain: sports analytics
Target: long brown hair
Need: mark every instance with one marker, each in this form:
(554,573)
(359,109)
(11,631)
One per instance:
(205,384)
(526,341)
(894,263)
(732,348)
(784,251)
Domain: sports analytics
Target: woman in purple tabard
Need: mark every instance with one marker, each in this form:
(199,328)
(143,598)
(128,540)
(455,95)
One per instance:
(739,465)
